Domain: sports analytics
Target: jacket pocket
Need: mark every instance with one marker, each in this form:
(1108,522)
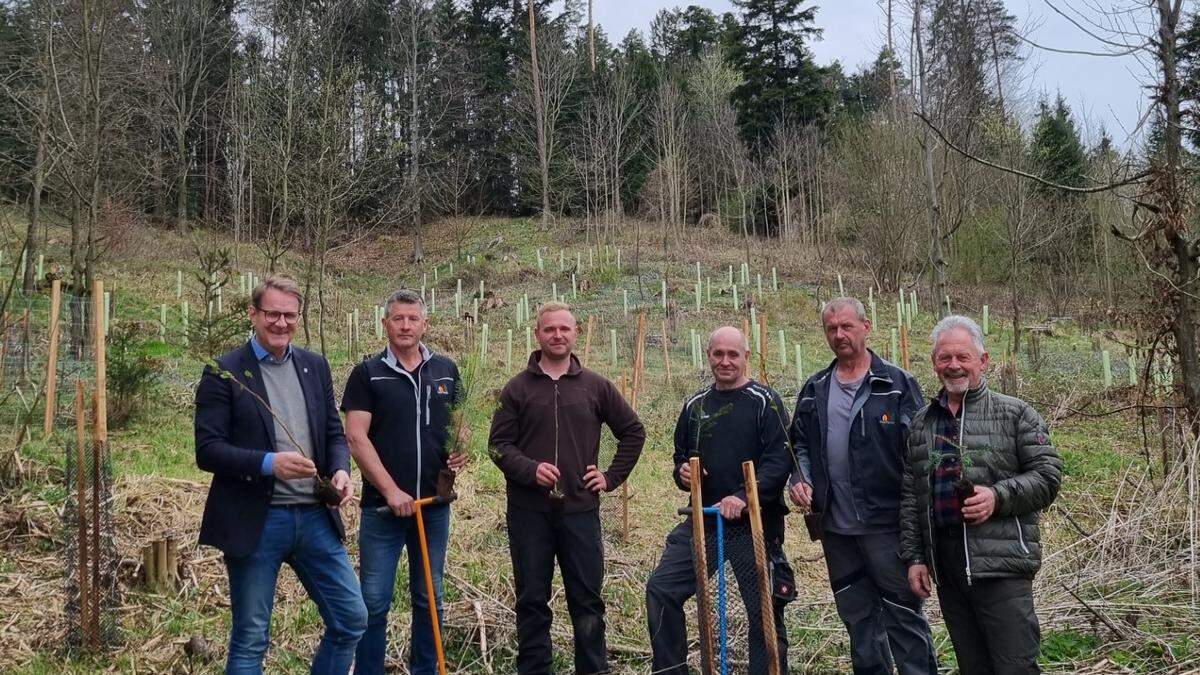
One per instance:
(1021,535)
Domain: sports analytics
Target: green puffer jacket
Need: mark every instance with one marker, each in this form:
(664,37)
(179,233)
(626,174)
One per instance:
(1007,448)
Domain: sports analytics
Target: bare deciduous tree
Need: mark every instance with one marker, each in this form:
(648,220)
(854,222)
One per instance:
(186,40)
(545,83)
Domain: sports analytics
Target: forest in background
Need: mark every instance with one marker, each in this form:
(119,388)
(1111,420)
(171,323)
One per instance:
(313,125)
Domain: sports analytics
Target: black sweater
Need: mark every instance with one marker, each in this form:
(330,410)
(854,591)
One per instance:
(727,427)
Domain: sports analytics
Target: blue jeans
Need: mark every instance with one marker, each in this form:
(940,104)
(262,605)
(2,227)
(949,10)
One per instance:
(381,539)
(304,538)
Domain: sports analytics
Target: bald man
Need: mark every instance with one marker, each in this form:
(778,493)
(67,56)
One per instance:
(732,421)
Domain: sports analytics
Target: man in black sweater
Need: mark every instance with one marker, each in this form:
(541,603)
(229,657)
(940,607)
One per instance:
(733,421)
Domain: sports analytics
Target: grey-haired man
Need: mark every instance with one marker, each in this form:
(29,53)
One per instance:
(980,468)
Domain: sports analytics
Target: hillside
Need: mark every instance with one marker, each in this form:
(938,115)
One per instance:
(1116,592)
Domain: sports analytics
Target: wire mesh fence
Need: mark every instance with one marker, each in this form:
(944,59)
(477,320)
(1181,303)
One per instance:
(735,601)
(89,556)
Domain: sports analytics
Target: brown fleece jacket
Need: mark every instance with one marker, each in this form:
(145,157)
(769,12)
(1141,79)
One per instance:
(537,413)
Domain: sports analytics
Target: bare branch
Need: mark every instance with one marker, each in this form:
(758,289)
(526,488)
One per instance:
(1081,52)
(1038,179)
(1081,27)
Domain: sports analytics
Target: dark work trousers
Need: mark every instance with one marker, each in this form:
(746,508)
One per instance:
(536,539)
(882,615)
(674,581)
(991,621)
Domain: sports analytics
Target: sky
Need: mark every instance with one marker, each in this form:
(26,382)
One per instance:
(1103,92)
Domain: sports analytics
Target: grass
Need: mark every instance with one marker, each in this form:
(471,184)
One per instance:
(156,448)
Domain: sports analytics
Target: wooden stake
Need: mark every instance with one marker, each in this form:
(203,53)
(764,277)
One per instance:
(639,356)
(746,334)
(762,349)
(587,341)
(700,559)
(760,562)
(148,566)
(52,359)
(172,579)
(160,564)
(99,441)
(666,339)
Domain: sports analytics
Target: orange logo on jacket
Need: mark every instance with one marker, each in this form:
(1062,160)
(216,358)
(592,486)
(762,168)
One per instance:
(442,389)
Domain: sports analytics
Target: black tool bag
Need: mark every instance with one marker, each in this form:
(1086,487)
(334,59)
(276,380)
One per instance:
(783,581)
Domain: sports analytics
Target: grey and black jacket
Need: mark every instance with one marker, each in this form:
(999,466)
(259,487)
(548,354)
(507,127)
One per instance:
(1006,447)
(883,409)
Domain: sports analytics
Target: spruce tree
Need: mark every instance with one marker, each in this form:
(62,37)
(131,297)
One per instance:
(869,90)
(1056,148)
(489,36)
(780,78)
(17,53)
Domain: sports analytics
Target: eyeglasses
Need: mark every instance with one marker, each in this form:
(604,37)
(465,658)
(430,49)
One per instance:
(272,316)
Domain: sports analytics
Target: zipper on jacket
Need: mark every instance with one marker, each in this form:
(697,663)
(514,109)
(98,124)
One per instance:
(555,430)
(932,542)
(1020,534)
(417,397)
(929,524)
(428,395)
(962,455)
(967,554)
(417,393)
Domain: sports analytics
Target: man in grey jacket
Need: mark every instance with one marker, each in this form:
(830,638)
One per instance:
(848,436)
(980,467)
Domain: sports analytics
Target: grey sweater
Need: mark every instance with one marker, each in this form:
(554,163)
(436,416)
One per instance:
(287,400)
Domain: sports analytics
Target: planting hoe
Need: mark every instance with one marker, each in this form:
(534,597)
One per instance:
(429,592)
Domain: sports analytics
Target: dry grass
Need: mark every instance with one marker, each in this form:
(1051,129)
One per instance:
(1137,531)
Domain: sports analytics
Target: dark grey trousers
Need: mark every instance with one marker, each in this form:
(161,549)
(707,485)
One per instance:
(674,581)
(884,619)
(991,621)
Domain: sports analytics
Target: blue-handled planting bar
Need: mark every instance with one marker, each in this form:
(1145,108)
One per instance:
(721,628)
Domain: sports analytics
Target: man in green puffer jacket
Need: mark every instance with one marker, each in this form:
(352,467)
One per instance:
(980,468)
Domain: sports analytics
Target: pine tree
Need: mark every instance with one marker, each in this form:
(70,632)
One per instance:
(679,35)
(779,76)
(1189,75)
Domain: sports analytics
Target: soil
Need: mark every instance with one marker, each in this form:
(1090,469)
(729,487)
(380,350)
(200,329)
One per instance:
(964,488)
(324,490)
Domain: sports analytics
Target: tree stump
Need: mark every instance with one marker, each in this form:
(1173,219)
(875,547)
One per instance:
(160,564)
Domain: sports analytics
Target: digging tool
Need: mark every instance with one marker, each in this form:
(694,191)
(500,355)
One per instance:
(722,631)
(429,591)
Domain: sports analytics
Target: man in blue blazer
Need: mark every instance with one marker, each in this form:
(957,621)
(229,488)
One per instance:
(268,429)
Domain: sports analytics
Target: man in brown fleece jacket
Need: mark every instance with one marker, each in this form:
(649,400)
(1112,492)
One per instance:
(545,438)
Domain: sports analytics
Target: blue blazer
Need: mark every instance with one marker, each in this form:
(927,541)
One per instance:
(233,433)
